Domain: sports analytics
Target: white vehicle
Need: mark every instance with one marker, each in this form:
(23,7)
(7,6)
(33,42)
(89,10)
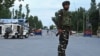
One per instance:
(98,32)
(15,31)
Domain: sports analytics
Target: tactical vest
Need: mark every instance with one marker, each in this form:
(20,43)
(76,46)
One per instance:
(66,18)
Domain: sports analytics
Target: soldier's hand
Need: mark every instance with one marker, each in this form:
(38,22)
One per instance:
(60,30)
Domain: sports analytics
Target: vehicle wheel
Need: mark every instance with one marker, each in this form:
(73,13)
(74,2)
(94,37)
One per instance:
(27,35)
(6,37)
(13,37)
(21,37)
(18,36)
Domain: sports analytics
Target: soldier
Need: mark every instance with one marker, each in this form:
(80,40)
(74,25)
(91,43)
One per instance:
(63,26)
(8,30)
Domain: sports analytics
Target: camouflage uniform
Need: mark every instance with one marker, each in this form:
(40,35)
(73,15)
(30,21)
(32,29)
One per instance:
(64,24)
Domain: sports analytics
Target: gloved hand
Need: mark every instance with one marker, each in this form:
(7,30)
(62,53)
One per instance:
(59,32)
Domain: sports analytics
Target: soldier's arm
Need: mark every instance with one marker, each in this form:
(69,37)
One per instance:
(59,22)
(59,19)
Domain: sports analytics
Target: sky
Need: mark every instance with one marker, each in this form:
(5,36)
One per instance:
(45,9)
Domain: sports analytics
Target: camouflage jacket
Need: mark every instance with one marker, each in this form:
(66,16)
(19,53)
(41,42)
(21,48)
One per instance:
(63,18)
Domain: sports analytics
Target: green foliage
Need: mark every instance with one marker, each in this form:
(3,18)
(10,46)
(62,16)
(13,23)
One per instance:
(16,14)
(99,5)
(4,8)
(35,23)
(20,12)
(94,16)
(45,27)
(40,26)
(93,5)
(20,0)
(5,13)
(23,15)
(94,19)
(31,20)
(8,3)
(28,11)
(52,27)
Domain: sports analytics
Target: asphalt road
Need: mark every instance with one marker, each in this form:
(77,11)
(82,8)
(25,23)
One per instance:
(46,45)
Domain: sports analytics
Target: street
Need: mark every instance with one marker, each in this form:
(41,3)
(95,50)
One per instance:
(46,45)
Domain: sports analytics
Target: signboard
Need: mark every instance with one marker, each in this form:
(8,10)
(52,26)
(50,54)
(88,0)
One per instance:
(21,22)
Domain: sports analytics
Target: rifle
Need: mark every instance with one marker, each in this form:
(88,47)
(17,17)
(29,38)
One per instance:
(58,34)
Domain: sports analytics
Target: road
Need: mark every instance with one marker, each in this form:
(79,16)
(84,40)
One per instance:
(46,45)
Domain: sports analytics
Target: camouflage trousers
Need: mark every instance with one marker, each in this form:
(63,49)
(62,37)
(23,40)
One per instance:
(63,42)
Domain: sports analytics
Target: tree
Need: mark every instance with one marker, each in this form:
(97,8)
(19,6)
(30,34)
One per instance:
(23,15)
(52,27)
(8,3)
(20,12)
(99,5)
(37,23)
(94,17)
(93,5)
(40,25)
(31,24)
(28,11)
(94,21)
(45,27)
(20,0)
(80,18)
(99,13)
(16,14)
(4,8)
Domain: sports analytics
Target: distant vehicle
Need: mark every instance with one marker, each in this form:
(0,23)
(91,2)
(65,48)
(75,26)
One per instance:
(73,32)
(38,32)
(13,31)
(98,32)
(31,34)
(88,32)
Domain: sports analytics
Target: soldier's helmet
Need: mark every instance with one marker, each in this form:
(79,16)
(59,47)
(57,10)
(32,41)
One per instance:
(66,3)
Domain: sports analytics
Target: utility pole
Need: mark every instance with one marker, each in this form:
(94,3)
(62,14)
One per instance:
(83,21)
(99,11)
(77,22)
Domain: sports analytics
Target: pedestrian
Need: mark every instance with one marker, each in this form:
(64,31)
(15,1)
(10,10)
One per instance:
(47,31)
(63,26)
